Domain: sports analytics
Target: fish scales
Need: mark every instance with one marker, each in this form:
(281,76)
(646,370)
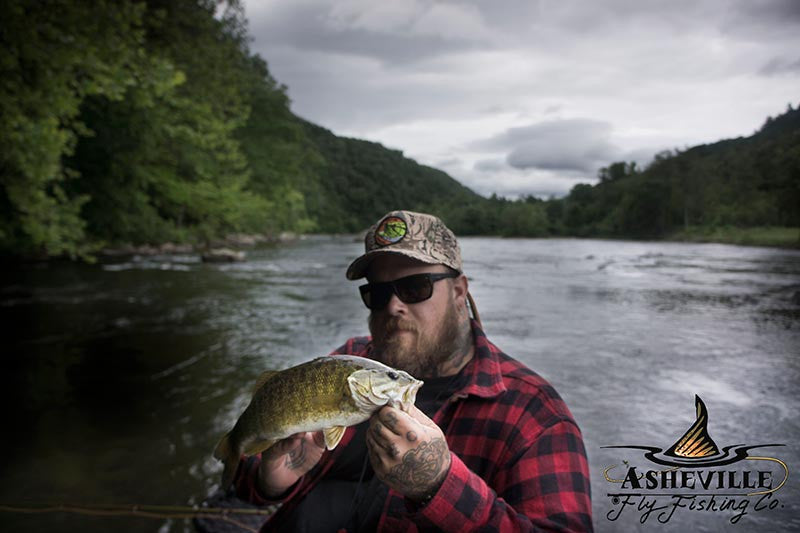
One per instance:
(304,395)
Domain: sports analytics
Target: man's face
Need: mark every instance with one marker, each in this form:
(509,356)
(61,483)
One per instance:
(415,337)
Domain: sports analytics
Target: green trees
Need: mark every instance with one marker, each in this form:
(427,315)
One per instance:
(133,122)
(358,181)
(163,163)
(53,56)
(739,183)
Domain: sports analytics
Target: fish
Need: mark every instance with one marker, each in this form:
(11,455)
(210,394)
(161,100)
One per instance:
(328,393)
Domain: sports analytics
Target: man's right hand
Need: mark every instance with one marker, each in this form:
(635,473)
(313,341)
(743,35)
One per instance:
(288,460)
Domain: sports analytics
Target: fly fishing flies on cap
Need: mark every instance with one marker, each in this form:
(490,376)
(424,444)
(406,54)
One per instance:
(416,235)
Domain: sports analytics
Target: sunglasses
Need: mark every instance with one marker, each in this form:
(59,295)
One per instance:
(410,289)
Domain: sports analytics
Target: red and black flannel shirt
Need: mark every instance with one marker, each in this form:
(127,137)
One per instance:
(518,460)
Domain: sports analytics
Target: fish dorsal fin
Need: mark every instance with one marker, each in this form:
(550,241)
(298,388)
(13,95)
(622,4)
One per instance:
(696,442)
(333,436)
(263,378)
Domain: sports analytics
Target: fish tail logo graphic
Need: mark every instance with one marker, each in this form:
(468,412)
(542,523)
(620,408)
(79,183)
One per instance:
(689,476)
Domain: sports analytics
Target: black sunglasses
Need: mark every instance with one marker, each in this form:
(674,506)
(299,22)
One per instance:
(410,289)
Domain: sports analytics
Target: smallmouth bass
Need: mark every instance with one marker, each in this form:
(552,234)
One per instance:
(328,393)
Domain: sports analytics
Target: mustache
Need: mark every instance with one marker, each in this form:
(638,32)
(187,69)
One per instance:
(395,324)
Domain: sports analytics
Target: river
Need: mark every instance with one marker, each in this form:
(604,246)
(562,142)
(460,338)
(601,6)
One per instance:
(119,378)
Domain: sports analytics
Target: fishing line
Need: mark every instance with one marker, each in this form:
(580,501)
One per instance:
(356,496)
(143,511)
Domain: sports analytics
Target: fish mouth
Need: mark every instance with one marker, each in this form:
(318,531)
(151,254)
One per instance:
(410,394)
(406,396)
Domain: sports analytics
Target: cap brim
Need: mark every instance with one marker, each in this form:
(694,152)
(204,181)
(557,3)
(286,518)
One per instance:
(358,268)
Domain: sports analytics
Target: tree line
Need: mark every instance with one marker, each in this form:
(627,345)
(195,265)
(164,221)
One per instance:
(152,121)
(741,183)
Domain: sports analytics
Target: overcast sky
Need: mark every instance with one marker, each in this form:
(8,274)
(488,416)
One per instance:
(532,97)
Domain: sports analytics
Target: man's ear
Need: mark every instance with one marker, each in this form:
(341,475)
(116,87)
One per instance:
(460,289)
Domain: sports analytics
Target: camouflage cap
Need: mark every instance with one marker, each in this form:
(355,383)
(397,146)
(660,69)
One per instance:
(417,235)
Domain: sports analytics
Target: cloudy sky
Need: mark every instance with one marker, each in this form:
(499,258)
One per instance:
(532,97)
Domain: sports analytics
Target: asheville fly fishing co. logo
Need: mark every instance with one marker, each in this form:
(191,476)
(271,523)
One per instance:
(691,478)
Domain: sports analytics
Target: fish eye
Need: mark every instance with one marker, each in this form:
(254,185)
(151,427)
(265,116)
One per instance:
(393,375)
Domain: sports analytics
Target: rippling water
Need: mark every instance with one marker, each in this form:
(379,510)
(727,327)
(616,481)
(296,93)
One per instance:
(120,378)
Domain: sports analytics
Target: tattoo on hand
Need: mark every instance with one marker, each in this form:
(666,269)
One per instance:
(297,457)
(411,436)
(391,420)
(420,470)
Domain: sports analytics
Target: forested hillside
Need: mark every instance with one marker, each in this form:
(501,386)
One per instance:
(360,180)
(738,183)
(150,122)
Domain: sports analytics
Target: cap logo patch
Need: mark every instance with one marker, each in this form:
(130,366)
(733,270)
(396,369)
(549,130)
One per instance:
(391,230)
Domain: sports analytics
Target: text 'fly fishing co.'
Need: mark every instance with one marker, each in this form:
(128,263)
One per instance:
(695,475)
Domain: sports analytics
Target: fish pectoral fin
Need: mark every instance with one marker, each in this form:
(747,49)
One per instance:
(258,446)
(263,378)
(333,436)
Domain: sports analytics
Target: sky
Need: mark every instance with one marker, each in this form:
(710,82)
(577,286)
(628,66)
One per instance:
(521,97)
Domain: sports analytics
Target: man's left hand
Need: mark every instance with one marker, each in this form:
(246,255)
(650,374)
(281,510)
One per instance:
(408,451)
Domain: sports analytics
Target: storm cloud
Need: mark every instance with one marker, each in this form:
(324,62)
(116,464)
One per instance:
(570,144)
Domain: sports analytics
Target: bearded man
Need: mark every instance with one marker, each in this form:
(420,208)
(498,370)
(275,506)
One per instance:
(489,444)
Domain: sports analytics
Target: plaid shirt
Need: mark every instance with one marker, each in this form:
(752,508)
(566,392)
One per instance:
(518,461)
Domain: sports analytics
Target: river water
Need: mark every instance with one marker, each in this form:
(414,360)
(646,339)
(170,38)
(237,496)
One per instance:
(120,378)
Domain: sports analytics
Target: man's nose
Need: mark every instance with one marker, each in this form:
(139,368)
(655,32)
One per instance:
(396,306)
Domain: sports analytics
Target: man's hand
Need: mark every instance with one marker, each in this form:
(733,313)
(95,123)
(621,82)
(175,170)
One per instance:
(408,451)
(288,460)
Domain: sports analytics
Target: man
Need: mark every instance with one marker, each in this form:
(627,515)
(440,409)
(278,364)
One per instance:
(489,443)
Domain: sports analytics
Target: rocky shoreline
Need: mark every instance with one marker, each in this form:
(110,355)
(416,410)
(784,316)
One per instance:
(229,249)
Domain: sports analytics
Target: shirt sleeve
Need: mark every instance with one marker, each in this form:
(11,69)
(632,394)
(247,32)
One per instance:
(544,488)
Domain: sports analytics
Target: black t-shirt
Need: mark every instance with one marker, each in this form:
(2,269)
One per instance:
(351,496)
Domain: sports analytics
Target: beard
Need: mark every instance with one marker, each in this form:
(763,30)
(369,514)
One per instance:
(418,354)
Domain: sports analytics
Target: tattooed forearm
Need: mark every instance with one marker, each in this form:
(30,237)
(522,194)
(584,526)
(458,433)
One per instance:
(297,457)
(421,469)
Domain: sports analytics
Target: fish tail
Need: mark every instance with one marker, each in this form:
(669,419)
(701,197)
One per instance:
(226,453)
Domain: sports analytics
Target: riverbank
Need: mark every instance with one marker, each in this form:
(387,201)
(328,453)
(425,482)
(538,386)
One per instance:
(236,241)
(782,237)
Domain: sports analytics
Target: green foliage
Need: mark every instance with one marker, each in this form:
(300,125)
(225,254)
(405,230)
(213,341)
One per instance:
(359,181)
(738,183)
(164,163)
(283,161)
(121,123)
(53,55)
